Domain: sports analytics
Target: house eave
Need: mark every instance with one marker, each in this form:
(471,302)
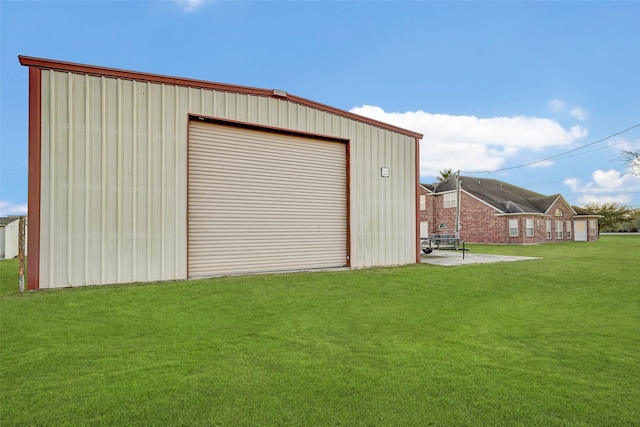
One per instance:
(521,214)
(560,197)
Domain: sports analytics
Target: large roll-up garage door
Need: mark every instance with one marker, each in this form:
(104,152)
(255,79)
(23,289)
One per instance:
(264,201)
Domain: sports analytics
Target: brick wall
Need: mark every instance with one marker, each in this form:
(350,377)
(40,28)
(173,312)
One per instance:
(481,223)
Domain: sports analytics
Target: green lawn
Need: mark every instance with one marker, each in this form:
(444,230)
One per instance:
(554,341)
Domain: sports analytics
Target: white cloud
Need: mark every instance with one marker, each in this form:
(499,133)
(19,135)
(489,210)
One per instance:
(9,208)
(191,5)
(471,143)
(542,164)
(579,113)
(623,199)
(624,144)
(557,105)
(605,187)
(560,106)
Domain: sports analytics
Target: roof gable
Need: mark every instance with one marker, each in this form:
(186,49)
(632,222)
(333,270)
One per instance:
(427,187)
(505,197)
(70,67)
(559,202)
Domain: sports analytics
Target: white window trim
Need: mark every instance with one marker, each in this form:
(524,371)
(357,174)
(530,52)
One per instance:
(559,229)
(529,230)
(449,200)
(513,233)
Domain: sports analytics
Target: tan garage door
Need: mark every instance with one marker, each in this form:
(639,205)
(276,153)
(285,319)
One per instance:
(264,201)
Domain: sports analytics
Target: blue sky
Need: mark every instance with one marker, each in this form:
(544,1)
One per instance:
(492,85)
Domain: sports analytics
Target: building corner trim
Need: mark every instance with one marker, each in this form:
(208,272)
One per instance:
(35,177)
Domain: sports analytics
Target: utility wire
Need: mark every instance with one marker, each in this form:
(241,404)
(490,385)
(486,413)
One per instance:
(557,155)
(608,146)
(581,176)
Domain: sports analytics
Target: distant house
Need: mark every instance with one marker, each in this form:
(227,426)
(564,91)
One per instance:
(493,211)
(9,227)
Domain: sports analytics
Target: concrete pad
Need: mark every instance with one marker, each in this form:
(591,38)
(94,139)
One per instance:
(450,258)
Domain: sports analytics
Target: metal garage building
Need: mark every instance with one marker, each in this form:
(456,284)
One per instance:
(137,177)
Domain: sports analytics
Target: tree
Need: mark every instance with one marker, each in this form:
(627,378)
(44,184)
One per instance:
(633,221)
(632,159)
(445,174)
(614,215)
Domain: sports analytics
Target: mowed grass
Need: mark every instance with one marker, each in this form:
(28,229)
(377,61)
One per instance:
(554,341)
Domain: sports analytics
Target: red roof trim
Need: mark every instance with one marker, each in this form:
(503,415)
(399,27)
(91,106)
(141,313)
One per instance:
(202,84)
(35,178)
(264,128)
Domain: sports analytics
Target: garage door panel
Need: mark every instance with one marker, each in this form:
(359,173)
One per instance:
(260,190)
(280,169)
(262,201)
(286,150)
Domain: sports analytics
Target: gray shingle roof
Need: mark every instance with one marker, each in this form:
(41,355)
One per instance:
(583,211)
(8,220)
(504,197)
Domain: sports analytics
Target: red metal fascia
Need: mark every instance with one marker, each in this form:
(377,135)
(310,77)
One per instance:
(71,67)
(35,177)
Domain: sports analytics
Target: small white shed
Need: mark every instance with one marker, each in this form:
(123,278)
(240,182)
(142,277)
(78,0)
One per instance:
(137,177)
(9,237)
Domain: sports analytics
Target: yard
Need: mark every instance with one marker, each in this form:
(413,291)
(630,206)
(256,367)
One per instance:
(546,342)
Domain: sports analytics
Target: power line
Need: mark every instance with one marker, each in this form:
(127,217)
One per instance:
(554,180)
(608,146)
(558,155)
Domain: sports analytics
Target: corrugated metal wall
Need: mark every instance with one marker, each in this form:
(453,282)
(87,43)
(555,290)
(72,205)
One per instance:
(114,177)
(113,181)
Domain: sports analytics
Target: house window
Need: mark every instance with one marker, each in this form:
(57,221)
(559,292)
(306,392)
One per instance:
(513,228)
(423,202)
(529,228)
(449,200)
(593,227)
(568,227)
(548,229)
(558,212)
(559,229)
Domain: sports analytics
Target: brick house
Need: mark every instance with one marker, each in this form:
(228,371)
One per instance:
(493,211)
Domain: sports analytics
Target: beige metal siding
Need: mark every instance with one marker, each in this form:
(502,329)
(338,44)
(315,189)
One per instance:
(383,210)
(114,177)
(113,182)
(263,201)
